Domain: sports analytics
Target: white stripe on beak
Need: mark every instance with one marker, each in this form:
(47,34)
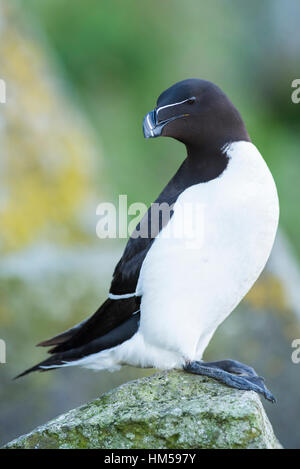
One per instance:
(150,127)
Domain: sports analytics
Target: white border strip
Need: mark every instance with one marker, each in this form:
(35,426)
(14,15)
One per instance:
(119,297)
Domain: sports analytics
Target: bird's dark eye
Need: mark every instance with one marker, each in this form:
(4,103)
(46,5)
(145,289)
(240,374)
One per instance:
(191,100)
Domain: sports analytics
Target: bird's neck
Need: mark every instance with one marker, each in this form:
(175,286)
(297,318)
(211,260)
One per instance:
(206,162)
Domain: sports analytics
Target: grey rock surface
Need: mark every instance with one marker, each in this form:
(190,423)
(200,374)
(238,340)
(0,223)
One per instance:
(166,410)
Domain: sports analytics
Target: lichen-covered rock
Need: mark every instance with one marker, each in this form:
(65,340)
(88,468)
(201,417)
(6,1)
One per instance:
(167,410)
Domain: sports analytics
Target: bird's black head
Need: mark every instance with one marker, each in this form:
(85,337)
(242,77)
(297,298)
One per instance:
(197,113)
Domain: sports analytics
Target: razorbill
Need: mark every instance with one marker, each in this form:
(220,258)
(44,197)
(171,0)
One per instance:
(170,293)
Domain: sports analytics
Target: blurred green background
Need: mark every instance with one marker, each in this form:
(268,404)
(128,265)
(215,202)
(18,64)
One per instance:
(80,77)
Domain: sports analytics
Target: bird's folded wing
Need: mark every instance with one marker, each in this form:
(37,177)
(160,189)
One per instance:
(122,303)
(109,316)
(127,271)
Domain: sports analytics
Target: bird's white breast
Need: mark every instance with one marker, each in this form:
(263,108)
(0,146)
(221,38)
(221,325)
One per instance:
(191,283)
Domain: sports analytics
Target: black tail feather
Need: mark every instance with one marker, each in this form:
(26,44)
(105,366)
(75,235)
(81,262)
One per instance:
(26,372)
(113,338)
(38,367)
(110,315)
(63,337)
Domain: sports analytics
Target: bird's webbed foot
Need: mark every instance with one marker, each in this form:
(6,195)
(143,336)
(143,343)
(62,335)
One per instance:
(233,374)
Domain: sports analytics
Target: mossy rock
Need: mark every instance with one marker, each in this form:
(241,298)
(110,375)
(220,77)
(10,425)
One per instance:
(167,410)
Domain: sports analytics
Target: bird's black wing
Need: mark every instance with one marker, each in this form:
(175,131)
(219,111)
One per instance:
(116,320)
(116,336)
(127,271)
(114,311)
(110,315)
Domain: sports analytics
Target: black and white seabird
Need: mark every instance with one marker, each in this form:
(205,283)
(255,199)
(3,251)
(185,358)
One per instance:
(168,295)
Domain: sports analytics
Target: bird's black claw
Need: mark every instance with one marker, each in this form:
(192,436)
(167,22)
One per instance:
(269,396)
(233,374)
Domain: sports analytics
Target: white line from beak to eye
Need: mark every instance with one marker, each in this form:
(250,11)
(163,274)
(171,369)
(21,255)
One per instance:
(169,105)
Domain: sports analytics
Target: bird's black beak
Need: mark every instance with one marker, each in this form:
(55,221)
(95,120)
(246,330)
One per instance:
(150,126)
(153,127)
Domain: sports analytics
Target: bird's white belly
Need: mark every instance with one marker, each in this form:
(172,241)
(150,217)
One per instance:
(189,286)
